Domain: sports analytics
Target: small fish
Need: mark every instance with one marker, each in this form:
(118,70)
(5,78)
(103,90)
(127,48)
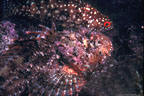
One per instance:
(65,13)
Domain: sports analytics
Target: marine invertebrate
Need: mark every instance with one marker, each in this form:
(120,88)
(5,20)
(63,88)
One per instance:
(56,61)
(7,35)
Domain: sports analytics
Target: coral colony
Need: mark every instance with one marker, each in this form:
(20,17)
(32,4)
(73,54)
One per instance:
(55,57)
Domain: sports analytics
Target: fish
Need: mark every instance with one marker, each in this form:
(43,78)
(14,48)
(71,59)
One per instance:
(62,55)
(58,65)
(65,14)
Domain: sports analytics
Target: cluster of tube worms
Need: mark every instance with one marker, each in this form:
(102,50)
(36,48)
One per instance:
(54,62)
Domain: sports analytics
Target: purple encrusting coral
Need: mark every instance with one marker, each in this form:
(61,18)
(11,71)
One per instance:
(7,35)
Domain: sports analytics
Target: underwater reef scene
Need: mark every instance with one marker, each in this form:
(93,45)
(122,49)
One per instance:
(71,48)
